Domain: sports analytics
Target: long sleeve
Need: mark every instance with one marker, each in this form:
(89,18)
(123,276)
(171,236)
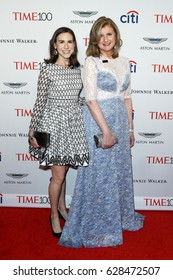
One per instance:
(42,93)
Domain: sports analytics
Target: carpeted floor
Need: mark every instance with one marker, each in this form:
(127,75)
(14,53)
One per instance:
(25,234)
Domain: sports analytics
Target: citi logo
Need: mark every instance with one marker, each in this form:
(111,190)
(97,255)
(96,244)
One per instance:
(1,196)
(159,160)
(131,17)
(32,16)
(25,157)
(20,65)
(23,112)
(161,116)
(163,18)
(160,68)
(133,66)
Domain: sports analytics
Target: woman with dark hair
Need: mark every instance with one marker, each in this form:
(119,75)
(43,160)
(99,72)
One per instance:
(72,60)
(58,111)
(102,206)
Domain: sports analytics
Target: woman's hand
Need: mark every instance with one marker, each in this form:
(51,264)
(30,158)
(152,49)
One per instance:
(31,140)
(109,140)
(132,139)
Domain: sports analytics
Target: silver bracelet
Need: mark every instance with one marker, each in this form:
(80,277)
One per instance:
(131,130)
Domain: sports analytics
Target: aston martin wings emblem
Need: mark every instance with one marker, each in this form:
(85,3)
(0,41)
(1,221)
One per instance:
(85,14)
(17,175)
(149,135)
(155,40)
(15,85)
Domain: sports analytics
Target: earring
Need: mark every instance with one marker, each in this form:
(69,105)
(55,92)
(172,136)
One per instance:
(55,52)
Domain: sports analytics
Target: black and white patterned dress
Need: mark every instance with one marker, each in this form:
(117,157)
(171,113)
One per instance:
(58,110)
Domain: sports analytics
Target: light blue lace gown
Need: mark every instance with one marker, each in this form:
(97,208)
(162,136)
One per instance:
(102,206)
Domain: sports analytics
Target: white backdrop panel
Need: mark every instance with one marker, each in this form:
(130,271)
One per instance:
(146,28)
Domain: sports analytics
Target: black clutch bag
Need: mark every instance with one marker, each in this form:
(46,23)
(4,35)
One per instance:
(98,140)
(39,139)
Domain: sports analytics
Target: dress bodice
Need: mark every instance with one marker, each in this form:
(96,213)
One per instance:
(106,78)
(57,86)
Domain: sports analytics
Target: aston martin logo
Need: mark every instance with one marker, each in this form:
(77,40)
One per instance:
(149,135)
(15,85)
(155,40)
(17,175)
(85,14)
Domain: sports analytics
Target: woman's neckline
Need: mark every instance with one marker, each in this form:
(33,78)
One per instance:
(61,66)
(103,57)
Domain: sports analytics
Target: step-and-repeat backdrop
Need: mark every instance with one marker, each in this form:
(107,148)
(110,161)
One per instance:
(146,28)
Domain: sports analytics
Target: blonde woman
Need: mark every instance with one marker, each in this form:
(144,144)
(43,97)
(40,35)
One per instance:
(103,202)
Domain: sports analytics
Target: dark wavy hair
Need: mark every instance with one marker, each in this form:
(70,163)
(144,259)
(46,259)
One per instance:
(95,35)
(73,61)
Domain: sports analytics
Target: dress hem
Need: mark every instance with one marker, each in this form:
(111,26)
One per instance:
(45,160)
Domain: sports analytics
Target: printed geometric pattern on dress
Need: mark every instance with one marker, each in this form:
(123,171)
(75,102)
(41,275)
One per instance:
(61,116)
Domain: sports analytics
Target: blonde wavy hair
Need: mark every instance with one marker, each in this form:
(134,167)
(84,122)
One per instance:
(95,36)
